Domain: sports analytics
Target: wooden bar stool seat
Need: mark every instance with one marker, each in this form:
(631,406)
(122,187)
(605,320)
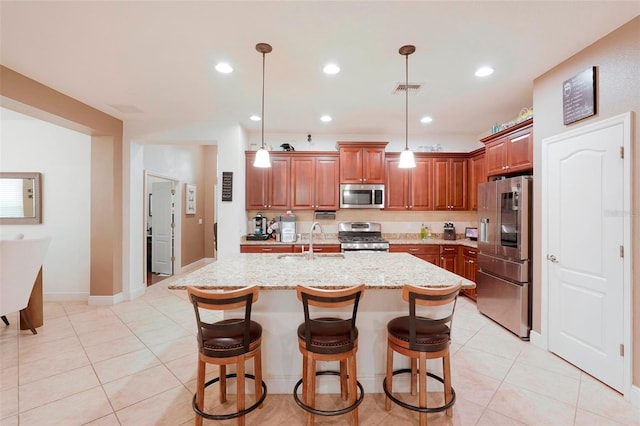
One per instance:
(422,337)
(227,342)
(323,338)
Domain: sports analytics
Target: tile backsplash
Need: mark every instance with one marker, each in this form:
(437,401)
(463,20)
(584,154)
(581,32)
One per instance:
(393,222)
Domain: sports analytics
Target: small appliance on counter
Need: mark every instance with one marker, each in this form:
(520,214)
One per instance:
(259,228)
(471,233)
(286,228)
(449,231)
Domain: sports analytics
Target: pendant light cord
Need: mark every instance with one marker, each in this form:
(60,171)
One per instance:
(406,104)
(262,113)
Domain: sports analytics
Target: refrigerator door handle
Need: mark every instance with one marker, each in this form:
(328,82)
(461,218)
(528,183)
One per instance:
(484,223)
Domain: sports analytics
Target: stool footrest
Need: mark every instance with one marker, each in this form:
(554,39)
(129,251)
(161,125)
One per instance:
(230,415)
(414,407)
(312,410)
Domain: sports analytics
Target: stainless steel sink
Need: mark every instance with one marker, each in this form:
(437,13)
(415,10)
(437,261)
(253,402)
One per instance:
(305,256)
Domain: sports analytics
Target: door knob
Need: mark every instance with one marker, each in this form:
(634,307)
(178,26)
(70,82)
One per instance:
(552,258)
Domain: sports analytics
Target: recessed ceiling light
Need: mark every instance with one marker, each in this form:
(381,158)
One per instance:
(426,119)
(224,68)
(331,69)
(254,118)
(325,118)
(484,71)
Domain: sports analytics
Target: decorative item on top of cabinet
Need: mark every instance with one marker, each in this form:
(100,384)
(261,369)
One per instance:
(362,162)
(450,182)
(314,182)
(268,188)
(470,270)
(511,150)
(408,189)
(477,175)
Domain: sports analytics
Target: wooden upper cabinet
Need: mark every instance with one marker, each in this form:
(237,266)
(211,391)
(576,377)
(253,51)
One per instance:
(511,150)
(362,162)
(314,182)
(477,175)
(267,188)
(408,189)
(450,183)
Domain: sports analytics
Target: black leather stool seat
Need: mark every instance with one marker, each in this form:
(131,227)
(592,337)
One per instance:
(435,337)
(329,333)
(228,335)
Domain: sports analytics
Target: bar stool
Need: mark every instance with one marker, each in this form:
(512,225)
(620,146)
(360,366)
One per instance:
(420,338)
(332,338)
(227,342)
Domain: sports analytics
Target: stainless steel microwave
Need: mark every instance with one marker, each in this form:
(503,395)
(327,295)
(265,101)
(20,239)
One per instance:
(366,196)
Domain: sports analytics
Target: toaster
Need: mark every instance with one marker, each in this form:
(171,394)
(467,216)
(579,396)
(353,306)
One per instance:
(449,231)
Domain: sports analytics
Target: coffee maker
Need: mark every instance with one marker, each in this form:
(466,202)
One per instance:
(259,225)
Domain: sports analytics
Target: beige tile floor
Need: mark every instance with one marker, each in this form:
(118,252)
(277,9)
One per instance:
(134,364)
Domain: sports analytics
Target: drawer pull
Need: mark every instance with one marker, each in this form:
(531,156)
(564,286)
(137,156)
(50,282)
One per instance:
(267,249)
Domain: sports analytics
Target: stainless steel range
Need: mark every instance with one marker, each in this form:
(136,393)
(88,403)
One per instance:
(361,236)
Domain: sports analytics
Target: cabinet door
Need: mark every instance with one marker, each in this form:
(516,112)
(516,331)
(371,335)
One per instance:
(520,151)
(327,174)
(372,165)
(256,183)
(278,189)
(421,187)
(302,182)
(458,181)
(448,262)
(496,157)
(477,175)
(396,185)
(440,199)
(350,165)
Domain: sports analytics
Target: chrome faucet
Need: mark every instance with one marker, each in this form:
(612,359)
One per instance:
(313,226)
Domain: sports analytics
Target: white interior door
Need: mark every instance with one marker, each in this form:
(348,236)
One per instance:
(162,228)
(585,186)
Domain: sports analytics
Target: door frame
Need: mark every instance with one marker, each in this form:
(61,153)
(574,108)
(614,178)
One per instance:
(177,230)
(625,120)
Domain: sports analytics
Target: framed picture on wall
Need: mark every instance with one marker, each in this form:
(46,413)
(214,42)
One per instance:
(190,199)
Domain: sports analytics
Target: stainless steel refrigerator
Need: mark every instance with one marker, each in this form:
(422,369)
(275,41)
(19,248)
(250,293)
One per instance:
(504,260)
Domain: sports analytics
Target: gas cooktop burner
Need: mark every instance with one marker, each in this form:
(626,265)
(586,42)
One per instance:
(359,236)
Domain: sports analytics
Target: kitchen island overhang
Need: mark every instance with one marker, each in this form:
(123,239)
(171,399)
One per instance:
(279,312)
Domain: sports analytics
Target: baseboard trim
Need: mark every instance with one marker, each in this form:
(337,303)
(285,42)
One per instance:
(537,340)
(634,396)
(105,300)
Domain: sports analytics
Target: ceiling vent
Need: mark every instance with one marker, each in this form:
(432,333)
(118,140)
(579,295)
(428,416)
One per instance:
(412,88)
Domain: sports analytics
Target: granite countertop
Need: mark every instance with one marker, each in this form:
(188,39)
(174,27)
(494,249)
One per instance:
(273,272)
(392,238)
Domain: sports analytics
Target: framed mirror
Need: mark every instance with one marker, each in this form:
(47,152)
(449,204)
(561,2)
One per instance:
(20,198)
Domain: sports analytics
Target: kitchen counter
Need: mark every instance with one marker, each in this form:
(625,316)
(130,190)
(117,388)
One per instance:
(279,311)
(376,270)
(393,239)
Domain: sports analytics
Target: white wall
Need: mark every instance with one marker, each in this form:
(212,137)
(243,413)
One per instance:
(64,158)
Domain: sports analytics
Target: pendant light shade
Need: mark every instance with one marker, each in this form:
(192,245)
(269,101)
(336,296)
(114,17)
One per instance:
(262,156)
(407,161)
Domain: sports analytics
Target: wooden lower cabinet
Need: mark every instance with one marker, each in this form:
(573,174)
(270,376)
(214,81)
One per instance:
(266,248)
(318,248)
(470,270)
(449,258)
(430,253)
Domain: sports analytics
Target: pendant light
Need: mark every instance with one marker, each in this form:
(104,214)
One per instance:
(262,155)
(406,157)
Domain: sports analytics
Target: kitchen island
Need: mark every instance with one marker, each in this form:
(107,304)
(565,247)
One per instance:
(280,313)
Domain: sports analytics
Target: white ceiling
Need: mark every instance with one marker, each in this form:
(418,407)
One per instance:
(158,58)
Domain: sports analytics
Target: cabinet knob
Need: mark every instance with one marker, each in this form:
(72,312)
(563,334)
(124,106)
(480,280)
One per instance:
(364,180)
